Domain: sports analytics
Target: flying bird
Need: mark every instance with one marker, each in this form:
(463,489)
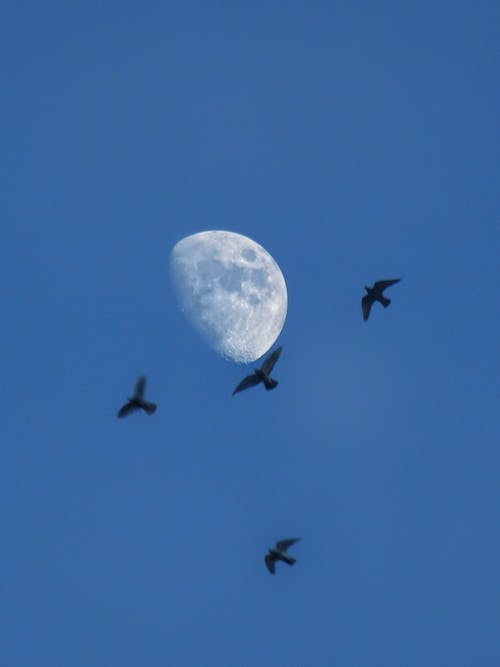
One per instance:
(137,401)
(375,293)
(261,374)
(280,553)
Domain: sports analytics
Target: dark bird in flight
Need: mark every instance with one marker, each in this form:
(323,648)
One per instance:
(280,553)
(261,374)
(375,293)
(137,401)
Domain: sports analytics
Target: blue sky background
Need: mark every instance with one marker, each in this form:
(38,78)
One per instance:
(354,141)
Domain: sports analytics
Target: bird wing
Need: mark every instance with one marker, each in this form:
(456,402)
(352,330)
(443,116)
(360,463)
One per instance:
(366,304)
(269,560)
(249,381)
(382,284)
(127,409)
(140,386)
(269,362)
(283,545)
(149,407)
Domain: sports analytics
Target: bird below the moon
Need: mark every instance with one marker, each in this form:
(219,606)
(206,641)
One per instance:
(280,553)
(375,293)
(137,402)
(261,374)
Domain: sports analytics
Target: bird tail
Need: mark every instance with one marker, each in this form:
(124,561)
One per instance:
(290,560)
(385,301)
(269,383)
(149,407)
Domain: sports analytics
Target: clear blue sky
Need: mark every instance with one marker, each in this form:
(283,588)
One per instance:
(354,141)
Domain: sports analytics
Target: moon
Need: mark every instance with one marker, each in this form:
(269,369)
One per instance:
(232,291)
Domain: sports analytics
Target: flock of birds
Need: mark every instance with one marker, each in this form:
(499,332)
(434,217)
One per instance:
(262,375)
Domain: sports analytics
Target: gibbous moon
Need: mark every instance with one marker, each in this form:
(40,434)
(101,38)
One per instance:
(232,290)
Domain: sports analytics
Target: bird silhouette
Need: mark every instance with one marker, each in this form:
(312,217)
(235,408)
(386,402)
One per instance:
(280,553)
(137,401)
(375,293)
(261,374)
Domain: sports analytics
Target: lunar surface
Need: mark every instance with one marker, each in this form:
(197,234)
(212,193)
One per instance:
(232,291)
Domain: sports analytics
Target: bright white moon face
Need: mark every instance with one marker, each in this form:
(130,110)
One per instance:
(232,290)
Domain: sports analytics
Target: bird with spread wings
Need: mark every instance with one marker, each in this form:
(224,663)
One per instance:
(261,374)
(375,293)
(280,553)
(137,401)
